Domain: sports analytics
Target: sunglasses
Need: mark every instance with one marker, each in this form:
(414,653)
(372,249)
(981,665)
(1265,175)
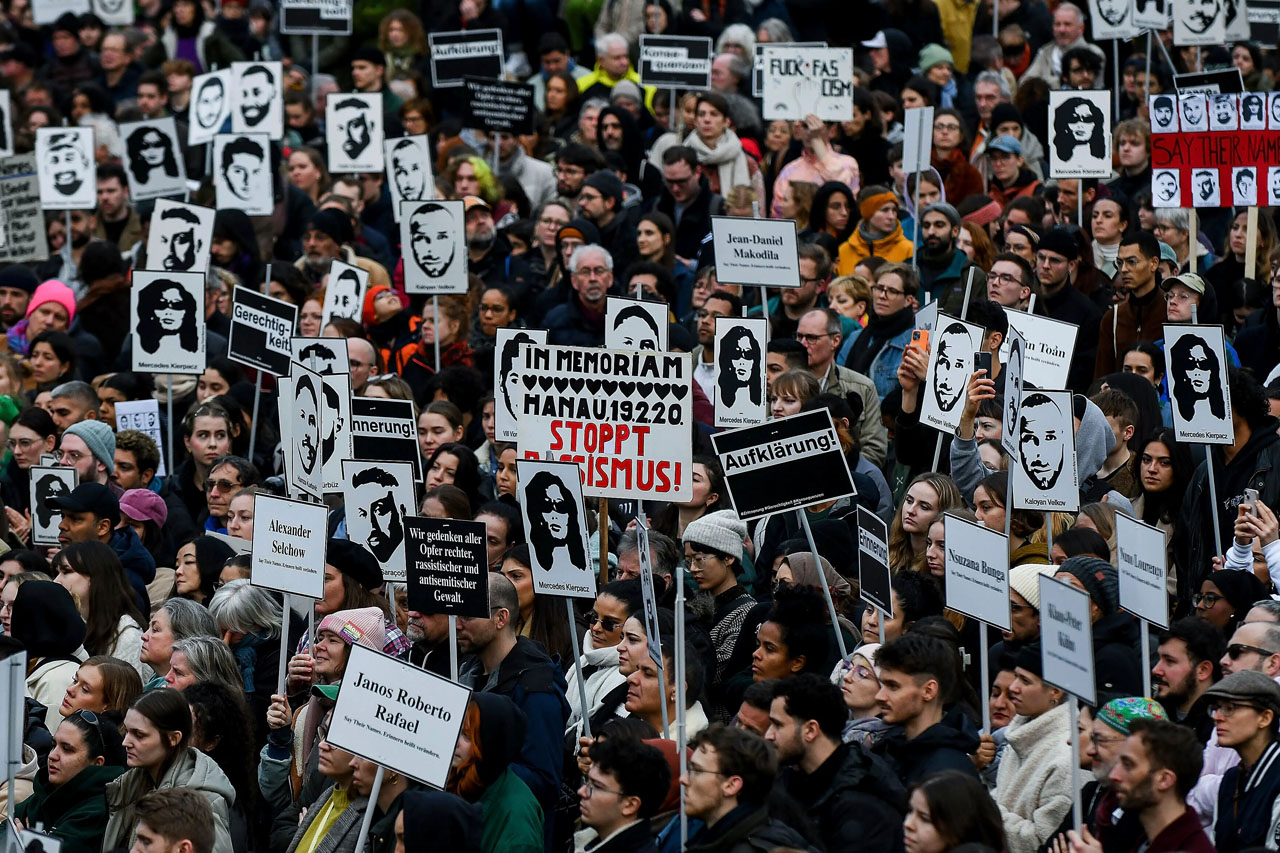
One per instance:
(1235,650)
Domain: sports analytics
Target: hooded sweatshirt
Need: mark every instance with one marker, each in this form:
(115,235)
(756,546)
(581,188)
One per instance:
(946,745)
(513,820)
(74,812)
(435,819)
(191,769)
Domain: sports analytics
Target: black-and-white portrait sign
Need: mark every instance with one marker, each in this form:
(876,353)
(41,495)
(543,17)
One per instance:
(634,324)
(1273,185)
(1013,384)
(168,322)
(1193,109)
(344,294)
(378,495)
(1081,134)
(739,397)
(434,242)
(48,11)
(22,229)
(1204,188)
(506,379)
(306,410)
(1244,186)
(954,343)
(1199,395)
(180,237)
(1044,477)
(1151,14)
(1253,111)
(262,331)
(1164,113)
(48,483)
(68,171)
(1273,112)
(465,53)
(353,132)
(409,174)
(335,443)
(1236,21)
(153,159)
(114,13)
(325,356)
(1224,111)
(1199,22)
(6,124)
(210,105)
(556,527)
(1166,188)
(1112,19)
(257,98)
(242,172)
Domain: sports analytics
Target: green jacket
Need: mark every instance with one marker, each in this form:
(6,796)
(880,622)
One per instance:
(75,813)
(512,817)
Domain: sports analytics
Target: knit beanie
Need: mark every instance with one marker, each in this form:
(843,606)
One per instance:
(54,291)
(947,210)
(932,54)
(100,439)
(1059,241)
(720,531)
(1119,713)
(335,223)
(1240,589)
(364,627)
(1100,580)
(1025,581)
(1030,658)
(606,183)
(18,277)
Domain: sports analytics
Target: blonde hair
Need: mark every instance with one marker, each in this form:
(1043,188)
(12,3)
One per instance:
(900,554)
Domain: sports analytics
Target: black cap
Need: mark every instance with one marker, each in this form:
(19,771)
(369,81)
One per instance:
(369,53)
(19,277)
(1060,241)
(90,497)
(21,52)
(355,561)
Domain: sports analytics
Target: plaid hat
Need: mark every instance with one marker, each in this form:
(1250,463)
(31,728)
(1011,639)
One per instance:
(1100,580)
(90,497)
(1025,581)
(100,439)
(1119,713)
(144,505)
(720,531)
(364,627)
(335,223)
(953,215)
(1060,241)
(1250,687)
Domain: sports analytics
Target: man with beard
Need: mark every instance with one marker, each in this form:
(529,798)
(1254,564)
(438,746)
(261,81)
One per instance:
(429,634)
(1188,666)
(943,266)
(375,500)
(1156,769)
(485,251)
(1141,313)
(600,202)
(1057,259)
(409,170)
(1162,114)
(1042,440)
(352,127)
(178,243)
(258,89)
(1201,14)
(327,237)
(307,444)
(65,265)
(66,162)
(17,283)
(117,221)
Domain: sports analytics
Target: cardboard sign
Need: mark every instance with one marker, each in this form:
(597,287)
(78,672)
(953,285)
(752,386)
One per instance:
(22,233)
(257,98)
(506,379)
(1142,561)
(1216,149)
(950,367)
(783,464)
(385,429)
(448,566)
(48,11)
(168,322)
(180,238)
(409,173)
(379,497)
(326,356)
(875,581)
(315,17)
(242,173)
(740,398)
(635,324)
(1050,346)
(1080,144)
(289,545)
(757,65)
(917,139)
(807,81)
(556,527)
(210,105)
(307,410)
(675,62)
(46,483)
(500,106)
(756,251)
(1066,638)
(6,124)
(434,241)
(1199,394)
(1197,22)
(153,160)
(1014,383)
(344,295)
(261,333)
(465,53)
(67,167)
(1113,19)
(353,132)
(143,416)
(977,565)
(335,445)
(624,417)
(1045,478)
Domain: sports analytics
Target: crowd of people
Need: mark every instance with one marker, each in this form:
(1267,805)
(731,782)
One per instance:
(154,719)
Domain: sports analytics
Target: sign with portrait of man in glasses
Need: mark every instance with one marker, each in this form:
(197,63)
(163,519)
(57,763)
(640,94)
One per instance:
(758,252)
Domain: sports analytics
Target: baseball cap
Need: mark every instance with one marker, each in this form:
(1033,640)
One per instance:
(90,497)
(876,41)
(473,201)
(1007,144)
(144,505)
(1189,280)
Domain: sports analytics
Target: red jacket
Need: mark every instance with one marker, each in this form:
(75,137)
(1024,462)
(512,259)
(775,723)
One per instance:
(960,179)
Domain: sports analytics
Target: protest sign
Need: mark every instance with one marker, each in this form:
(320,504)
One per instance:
(1049,347)
(289,545)
(67,167)
(398,716)
(755,251)
(977,566)
(336,442)
(307,412)
(465,53)
(434,238)
(379,497)
(555,525)
(257,99)
(353,132)
(506,379)
(1066,638)
(48,11)
(678,62)
(385,429)
(1045,478)
(168,322)
(917,139)
(143,416)
(1141,557)
(210,105)
(804,446)
(1199,22)
(624,417)
(1209,82)
(635,324)
(48,483)
(6,124)
(1014,382)
(344,296)
(1199,393)
(648,592)
(326,356)
(13,676)
(1081,134)
(22,232)
(153,161)
(1113,19)
(409,173)
(739,395)
(1151,14)
(799,82)
(261,333)
(927,317)
(242,173)
(448,562)
(315,17)
(500,106)
(1212,149)
(180,238)
(875,581)
(951,363)
(757,65)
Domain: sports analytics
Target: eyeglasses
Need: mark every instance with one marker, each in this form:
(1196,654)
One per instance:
(947,127)
(589,787)
(220,485)
(882,290)
(1228,709)
(599,272)
(811,339)
(1235,650)
(607,623)
(699,559)
(693,768)
(1206,599)
(24,443)
(1004,278)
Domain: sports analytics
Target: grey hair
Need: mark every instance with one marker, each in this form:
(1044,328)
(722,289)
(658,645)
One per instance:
(777,29)
(617,39)
(595,104)
(105,133)
(996,78)
(664,554)
(1175,217)
(210,660)
(81,392)
(1271,606)
(576,258)
(739,34)
(245,609)
(1072,7)
(738,66)
(188,619)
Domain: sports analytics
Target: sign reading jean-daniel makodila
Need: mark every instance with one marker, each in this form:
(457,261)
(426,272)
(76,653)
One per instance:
(262,331)
(385,429)
(500,106)
(756,251)
(465,53)
(681,62)
(448,566)
(804,445)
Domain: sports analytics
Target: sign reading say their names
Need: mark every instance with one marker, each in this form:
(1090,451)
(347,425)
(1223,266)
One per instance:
(288,545)
(804,445)
(465,53)
(682,62)
(977,565)
(1050,346)
(1141,557)
(398,716)
(1066,638)
(500,106)
(808,81)
(261,333)
(448,566)
(874,578)
(755,251)
(22,234)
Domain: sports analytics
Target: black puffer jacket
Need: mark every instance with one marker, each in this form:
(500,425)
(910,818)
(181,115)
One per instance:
(856,801)
(946,745)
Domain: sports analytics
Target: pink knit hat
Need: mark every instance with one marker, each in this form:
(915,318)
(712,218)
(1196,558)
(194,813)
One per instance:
(54,291)
(364,627)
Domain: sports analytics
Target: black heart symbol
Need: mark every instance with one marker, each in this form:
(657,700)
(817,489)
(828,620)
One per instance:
(627,388)
(530,381)
(545,382)
(593,385)
(678,391)
(645,388)
(609,386)
(576,384)
(661,389)
(561,383)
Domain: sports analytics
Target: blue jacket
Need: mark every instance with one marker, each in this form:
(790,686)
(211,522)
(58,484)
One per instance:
(884,367)
(568,326)
(139,565)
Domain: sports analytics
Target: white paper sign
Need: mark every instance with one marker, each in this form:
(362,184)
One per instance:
(48,483)
(1066,638)
(977,565)
(506,379)
(114,13)
(1199,394)
(180,238)
(739,392)
(1164,113)
(1045,477)
(1080,146)
(68,170)
(917,139)
(344,295)
(144,416)
(755,251)
(6,124)
(434,241)
(288,545)
(1112,19)
(1199,22)
(210,105)
(153,159)
(952,346)
(48,11)
(1015,376)
(1151,14)
(336,444)
(168,322)
(257,98)
(1141,558)
(634,324)
(307,412)
(13,675)
(648,592)
(556,527)
(22,227)
(242,173)
(409,173)
(325,356)
(1236,21)
(353,132)
(1050,346)
(808,81)
(378,495)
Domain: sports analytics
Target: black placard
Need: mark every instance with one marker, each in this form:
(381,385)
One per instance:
(1224,81)
(318,17)
(385,429)
(875,581)
(448,566)
(682,62)
(469,53)
(499,105)
(261,333)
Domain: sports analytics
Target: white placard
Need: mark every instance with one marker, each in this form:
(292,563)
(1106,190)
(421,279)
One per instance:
(1051,344)
(409,173)
(756,251)
(1014,379)
(242,173)
(180,238)
(917,139)
(68,170)
(635,324)
(143,416)
(1236,21)
(13,675)
(1066,638)
(22,226)
(378,495)
(257,98)
(1151,14)
(336,444)
(325,356)
(977,565)
(114,13)
(168,322)
(1199,22)
(556,528)
(6,124)
(648,592)
(1205,188)
(1224,111)
(434,241)
(344,294)
(506,379)
(288,545)
(1163,110)
(739,393)
(951,364)
(353,132)
(1193,112)
(1142,560)
(927,317)
(1080,144)
(210,105)
(808,81)
(153,159)
(1199,394)
(1112,19)
(48,482)
(1166,188)
(1253,111)
(1045,478)
(398,716)
(1244,186)
(307,411)
(48,11)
